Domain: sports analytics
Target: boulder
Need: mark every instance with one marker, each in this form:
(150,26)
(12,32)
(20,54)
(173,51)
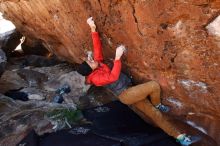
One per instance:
(75,81)
(33,78)
(3,60)
(40,61)
(10,80)
(34,47)
(9,41)
(9,36)
(18,118)
(34,94)
(166,40)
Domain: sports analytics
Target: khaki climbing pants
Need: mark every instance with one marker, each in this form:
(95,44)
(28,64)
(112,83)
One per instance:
(137,97)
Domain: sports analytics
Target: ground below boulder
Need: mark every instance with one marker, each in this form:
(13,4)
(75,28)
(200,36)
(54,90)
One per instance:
(113,124)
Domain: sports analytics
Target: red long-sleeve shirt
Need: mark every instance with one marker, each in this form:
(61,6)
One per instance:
(102,75)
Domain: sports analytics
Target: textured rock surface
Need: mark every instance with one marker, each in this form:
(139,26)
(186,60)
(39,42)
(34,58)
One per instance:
(9,41)
(34,47)
(18,118)
(167,41)
(3,60)
(76,83)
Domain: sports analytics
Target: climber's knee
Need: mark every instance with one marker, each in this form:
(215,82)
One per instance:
(154,85)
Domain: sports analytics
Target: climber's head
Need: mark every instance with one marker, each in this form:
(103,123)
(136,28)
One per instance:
(87,67)
(92,63)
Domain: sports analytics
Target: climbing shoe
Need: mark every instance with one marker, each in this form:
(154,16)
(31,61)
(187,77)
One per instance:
(163,108)
(186,140)
(58,99)
(60,91)
(64,89)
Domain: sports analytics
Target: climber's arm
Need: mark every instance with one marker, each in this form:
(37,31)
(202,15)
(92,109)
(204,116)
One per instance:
(97,47)
(96,41)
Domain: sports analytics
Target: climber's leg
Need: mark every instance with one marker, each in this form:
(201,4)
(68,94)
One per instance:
(137,96)
(140,92)
(161,121)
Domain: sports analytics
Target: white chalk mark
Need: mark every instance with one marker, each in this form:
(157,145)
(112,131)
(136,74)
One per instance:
(196,126)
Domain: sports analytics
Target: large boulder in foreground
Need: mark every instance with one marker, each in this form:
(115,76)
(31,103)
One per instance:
(9,36)
(167,42)
(18,118)
(9,41)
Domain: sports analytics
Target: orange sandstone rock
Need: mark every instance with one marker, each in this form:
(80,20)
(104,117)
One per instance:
(167,42)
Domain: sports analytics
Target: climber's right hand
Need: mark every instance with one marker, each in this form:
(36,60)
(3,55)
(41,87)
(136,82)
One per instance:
(119,52)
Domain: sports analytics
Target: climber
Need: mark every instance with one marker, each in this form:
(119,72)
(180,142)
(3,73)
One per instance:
(99,74)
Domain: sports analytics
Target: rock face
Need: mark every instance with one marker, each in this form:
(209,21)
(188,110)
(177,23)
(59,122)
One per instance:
(167,41)
(34,47)
(9,41)
(17,118)
(15,126)
(3,61)
(9,37)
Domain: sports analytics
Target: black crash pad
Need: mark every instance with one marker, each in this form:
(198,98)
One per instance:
(114,124)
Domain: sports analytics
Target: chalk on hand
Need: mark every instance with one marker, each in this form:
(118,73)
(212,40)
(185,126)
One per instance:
(90,21)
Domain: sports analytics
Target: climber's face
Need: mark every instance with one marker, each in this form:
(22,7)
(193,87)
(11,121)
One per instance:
(92,63)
